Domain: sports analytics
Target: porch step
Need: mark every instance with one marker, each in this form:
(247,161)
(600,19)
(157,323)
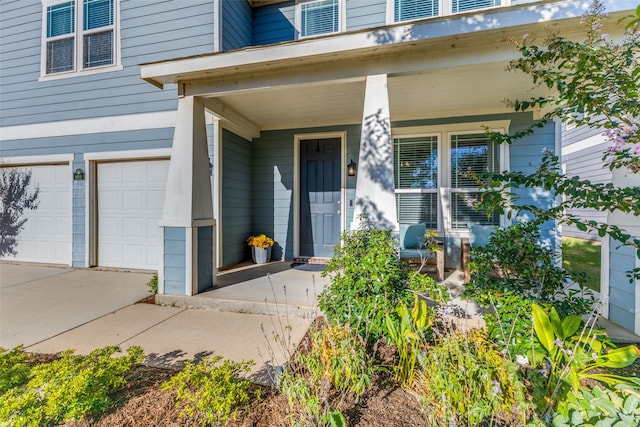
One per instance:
(311,260)
(237,306)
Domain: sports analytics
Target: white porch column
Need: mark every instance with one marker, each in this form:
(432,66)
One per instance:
(375,189)
(189,229)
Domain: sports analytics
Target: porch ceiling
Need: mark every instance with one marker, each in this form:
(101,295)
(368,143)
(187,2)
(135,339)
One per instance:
(446,92)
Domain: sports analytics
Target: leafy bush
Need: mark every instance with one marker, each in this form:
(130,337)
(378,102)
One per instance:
(516,261)
(13,369)
(571,354)
(67,388)
(600,407)
(408,335)
(210,392)
(463,380)
(368,280)
(153,284)
(331,367)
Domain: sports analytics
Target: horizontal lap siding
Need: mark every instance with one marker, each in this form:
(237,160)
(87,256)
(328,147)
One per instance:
(273,24)
(273,184)
(236,24)
(621,291)
(236,198)
(112,141)
(366,14)
(588,165)
(150,31)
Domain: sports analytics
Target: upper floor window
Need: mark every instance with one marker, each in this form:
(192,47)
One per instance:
(465,5)
(319,17)
(405,10)
(79,35)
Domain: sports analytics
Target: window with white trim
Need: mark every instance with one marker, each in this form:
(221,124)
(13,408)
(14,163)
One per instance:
(79,35)
(416,165)
(432,174)
(318,17)
(466,5)
(405,10)
(470,154)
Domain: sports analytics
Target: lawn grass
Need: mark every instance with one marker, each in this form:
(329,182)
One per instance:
(582,256)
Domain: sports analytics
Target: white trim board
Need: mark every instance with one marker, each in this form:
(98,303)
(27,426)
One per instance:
(164,119)
(33,160)
(592,141)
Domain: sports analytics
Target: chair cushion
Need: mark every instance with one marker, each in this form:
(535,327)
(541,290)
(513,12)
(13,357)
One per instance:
(479,235)
(412,235)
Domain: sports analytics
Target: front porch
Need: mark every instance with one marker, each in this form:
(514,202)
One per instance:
(303,144)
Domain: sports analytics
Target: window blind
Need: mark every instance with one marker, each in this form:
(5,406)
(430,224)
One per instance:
(61,19)
(414,9)
(463,214)
(472,154)
(464,5)
(416,162)
(320,17)
(414,208)
(97,13)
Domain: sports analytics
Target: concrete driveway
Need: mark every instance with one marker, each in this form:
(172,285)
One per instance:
(50,309)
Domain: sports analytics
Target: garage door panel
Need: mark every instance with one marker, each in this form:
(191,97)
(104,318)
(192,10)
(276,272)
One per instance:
(46,236)
(129,211)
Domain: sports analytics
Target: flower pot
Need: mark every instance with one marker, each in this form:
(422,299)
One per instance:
(261,255)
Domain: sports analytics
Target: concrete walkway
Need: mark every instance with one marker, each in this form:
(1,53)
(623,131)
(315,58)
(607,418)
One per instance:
(50,309)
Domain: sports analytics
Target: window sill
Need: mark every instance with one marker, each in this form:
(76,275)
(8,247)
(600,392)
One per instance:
(87,72)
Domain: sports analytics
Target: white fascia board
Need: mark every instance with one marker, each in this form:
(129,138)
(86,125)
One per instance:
(34,160)
(381,38)
(163,119)
(153,153)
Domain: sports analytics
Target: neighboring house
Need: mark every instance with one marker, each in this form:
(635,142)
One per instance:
(265,105)
(582,151)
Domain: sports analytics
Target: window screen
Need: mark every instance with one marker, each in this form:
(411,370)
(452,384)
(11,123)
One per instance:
(320,17)
(60,37)
(414,9)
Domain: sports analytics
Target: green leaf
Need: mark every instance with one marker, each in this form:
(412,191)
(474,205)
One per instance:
(570,326)
(556,323)
(621,357)
(542,327)
(581,226)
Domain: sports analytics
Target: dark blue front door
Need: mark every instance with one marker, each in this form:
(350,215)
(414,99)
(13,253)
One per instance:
(319,196)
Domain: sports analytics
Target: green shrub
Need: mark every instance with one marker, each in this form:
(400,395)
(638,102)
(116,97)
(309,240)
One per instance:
(463,380)
(369,280)
(516,261)
(600,407)
(13,369)
(409,334)
(153,284)
(334,364)
(211,392)
(67,388)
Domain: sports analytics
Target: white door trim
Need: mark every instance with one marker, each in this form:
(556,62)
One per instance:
(296,181)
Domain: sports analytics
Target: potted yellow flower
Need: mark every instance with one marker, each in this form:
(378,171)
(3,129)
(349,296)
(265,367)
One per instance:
(260,248)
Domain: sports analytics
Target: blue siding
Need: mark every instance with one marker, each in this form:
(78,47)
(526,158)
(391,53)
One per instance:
(79,206)
(365,14)
(622,293)
(150,31)
(205,258)
(113,141)
(236,24)
(274,23)
(174,260)
(236,198)
(272,183)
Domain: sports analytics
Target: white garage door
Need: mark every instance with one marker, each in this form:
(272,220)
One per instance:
(130,199)
(46,236)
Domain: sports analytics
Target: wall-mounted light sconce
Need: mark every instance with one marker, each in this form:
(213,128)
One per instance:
(351,169)
(78,175)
